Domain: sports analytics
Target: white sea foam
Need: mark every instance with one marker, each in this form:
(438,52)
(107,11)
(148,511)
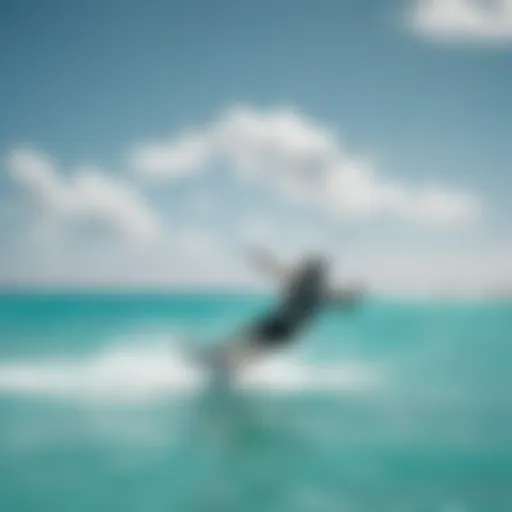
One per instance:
(291,375)
(128,372)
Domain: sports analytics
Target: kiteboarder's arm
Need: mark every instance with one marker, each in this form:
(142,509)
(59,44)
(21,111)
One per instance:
(270,266)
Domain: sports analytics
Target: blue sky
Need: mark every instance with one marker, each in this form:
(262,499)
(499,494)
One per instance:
(401,110)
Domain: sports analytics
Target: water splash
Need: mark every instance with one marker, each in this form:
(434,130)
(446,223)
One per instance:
(145,372)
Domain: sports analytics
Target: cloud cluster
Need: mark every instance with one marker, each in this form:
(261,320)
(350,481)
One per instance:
(278,151)
(87,195)
(463,20)
(302,160)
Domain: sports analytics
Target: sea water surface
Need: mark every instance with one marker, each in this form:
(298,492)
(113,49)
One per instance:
(397,406)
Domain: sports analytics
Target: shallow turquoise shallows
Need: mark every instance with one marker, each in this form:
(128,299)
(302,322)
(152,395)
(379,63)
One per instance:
(397,406)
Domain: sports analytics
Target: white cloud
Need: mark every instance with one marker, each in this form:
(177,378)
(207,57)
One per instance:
(277,150)
(304,161)
(86,195)
(187,153)
(463,20)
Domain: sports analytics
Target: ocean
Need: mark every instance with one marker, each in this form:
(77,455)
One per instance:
(401,405)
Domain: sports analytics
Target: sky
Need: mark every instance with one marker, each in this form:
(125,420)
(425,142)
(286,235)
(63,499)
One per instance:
(151,143)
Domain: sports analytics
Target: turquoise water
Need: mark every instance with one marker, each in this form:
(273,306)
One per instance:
(400,406)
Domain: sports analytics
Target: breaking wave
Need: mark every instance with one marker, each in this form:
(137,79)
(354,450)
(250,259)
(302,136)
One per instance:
(128,372)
